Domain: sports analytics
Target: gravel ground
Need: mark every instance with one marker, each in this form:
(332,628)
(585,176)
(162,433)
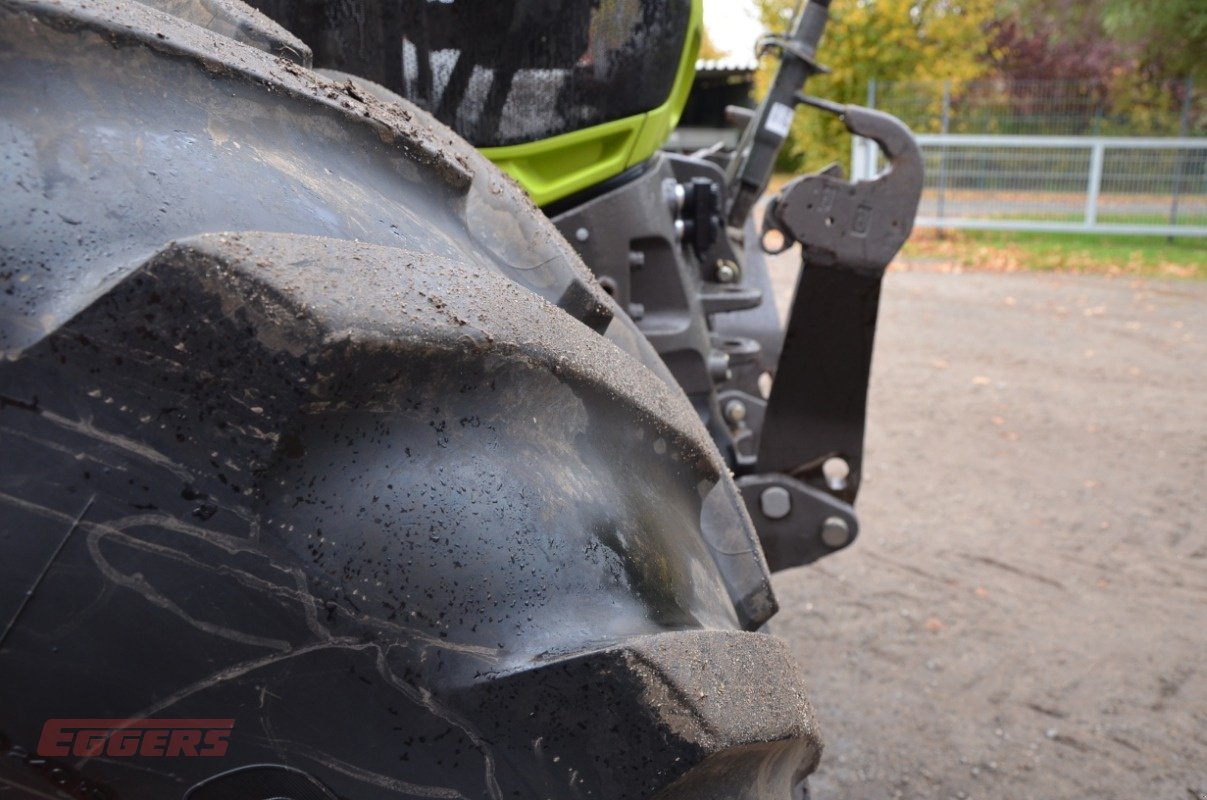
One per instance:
(1025,612)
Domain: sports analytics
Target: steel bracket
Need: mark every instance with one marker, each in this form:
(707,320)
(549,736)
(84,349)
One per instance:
(849,233)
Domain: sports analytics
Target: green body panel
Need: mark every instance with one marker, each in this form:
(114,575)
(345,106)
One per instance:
(557,167)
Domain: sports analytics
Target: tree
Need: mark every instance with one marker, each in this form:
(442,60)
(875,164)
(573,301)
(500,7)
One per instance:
(1056,41)
(1165,39)
(889,40)
(1172,34)
(1133,59)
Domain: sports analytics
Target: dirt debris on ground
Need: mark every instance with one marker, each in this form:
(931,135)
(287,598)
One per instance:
(1025,612)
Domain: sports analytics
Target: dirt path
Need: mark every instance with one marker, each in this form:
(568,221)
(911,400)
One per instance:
(1025,613)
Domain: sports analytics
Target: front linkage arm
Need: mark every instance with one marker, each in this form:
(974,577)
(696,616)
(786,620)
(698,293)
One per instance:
(849,233)
(754,161)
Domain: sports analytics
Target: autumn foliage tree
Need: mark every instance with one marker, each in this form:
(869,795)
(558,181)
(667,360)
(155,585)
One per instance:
(903,40)
(1132,62)
(1129,62)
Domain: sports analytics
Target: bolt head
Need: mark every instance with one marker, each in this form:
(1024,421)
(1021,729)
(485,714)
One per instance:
(727,271)
(835,532)
(775,502)
(678,198)
(735,411)
(582,234)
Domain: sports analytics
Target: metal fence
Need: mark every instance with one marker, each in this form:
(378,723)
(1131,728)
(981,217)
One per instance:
(1067,184)
(1045,107)
(1046,182)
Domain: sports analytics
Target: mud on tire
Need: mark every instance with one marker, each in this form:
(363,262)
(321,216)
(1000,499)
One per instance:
(312,421)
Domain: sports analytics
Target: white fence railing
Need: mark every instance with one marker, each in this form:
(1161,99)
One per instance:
(1110,185)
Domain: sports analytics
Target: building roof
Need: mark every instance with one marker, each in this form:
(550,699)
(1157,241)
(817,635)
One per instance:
(730,64)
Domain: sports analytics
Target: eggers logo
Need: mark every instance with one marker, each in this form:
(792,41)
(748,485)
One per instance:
(118,738)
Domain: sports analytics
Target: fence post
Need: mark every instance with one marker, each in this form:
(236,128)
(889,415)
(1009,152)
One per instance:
(863,152)
(1179,172)
(1094,189)
(946,128)
(856,167)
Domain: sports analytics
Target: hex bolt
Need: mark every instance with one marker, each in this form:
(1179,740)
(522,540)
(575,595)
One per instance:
(835,532)
(735,412)
(775,502)
(727,271)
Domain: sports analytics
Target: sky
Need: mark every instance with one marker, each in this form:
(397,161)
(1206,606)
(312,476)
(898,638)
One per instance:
(732,25)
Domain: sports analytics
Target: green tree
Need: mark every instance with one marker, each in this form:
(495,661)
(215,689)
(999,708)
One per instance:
(889,40)
(1171,33)
(1171,39)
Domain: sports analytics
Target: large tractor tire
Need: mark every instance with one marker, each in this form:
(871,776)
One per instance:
(312,423)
